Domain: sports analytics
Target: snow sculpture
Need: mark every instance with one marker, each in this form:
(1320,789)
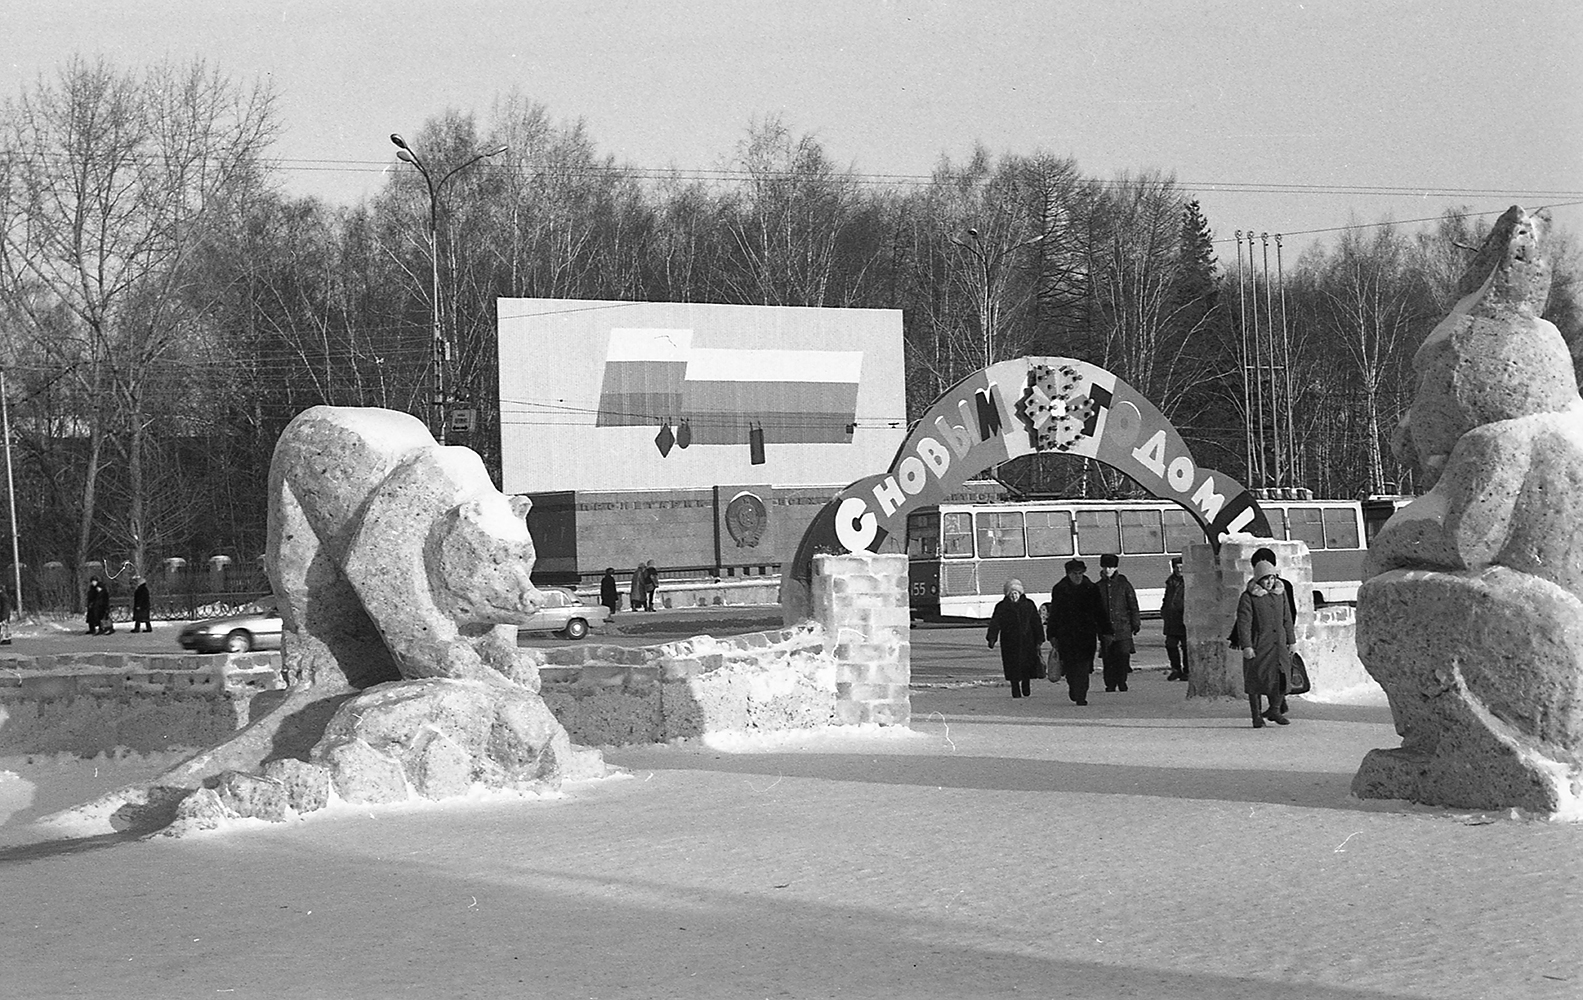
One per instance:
(1471,616)
(393,559)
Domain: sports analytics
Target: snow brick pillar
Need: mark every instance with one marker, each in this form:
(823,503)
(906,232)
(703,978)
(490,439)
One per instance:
(1214,582)
(861,600)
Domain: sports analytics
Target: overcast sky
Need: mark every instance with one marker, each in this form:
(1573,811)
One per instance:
(1281,116)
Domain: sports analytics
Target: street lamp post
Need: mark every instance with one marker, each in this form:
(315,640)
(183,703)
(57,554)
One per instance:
(442,344)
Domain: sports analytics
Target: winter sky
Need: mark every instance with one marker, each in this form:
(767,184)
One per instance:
(1283,116)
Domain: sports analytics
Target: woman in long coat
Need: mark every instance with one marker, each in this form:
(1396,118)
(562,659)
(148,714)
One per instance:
(95,605)
(1016,624)
(1264,625)
(637,587)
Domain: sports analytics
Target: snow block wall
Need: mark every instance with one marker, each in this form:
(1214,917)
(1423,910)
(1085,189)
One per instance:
(93,702)
(761,682)
(849,666)
(1330,648)
(861,600)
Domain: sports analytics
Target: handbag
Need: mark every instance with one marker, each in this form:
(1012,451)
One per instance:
(1057,669)
(1298,682)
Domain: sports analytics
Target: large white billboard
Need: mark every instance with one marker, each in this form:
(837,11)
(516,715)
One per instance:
(600,395)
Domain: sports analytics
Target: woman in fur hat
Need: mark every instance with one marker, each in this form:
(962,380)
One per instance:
(1016,624)
(1264,624)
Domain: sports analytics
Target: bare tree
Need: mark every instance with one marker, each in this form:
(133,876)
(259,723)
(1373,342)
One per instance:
(1366,299)
(786,220)
(115,179)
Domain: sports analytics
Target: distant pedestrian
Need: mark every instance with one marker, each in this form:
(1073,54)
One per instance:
(5,616)
(1173,614)
(1122,622)
(1015,622)
(1268,636)
(637,588)
(96,606)
(651,583)
(140,618)
(609,596)
(1076,619)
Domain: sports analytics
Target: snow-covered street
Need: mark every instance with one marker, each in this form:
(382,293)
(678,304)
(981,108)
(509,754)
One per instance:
(1141,847)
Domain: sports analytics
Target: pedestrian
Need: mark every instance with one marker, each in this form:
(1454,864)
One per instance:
(637,588)
(609,596)
(1122,622)
(1173,614)
(1015,622)
(651,583)
(140,620)
(96,605)
(5,615)
(1268,636)
(1076,618)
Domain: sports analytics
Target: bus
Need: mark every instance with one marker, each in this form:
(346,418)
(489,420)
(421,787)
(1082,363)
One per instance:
(961,555)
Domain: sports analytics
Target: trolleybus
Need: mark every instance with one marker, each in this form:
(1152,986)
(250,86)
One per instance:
(961,555)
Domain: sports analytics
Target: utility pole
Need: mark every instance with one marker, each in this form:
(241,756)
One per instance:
(10,490)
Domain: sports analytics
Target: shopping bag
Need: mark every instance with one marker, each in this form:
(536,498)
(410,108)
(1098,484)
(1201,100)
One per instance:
(1298,682)
(1055,668)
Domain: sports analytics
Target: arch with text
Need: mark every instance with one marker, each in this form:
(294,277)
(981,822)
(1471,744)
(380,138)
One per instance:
(1025,406)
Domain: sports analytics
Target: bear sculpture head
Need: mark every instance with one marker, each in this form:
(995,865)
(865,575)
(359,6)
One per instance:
(479,557)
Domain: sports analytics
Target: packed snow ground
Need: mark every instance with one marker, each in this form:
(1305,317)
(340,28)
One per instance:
(1141,847)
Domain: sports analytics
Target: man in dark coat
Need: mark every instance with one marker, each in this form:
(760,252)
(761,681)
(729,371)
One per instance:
(609,596)
(651,583)
(1122,622)
(1173,616)
(1015,622)
(1075,621)
(140,616)
(92,607)
(106,626)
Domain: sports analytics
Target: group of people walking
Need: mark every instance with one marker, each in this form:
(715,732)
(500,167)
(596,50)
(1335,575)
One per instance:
(645,581)
(96,607)
(1087,617)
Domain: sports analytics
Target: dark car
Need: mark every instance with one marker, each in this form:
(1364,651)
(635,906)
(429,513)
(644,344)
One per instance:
(565,613)
(233,633)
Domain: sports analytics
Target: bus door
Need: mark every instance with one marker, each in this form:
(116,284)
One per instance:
(923,561)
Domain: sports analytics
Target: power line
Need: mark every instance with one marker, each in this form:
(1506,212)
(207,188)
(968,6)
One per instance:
(1402,222)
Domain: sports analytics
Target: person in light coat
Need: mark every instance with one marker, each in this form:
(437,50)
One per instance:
(1268,636)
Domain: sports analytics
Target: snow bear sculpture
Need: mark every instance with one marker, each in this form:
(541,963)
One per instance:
(1471,614)
(400,573)
(393,557)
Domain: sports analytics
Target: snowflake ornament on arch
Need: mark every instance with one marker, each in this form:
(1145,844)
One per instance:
(1055,416)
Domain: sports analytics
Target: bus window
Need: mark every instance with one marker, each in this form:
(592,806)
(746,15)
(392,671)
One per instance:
(1277,518)
(923,536)
(1097,532)
(1000,534)
(1049,533)
(956,536)
(1307,526)
(1141,532)
(1341,528)
(1180,530)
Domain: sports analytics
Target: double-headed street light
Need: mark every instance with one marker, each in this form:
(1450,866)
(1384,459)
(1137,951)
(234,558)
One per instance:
(442,345)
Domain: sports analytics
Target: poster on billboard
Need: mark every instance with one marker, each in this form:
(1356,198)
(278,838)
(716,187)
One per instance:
(604,395)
